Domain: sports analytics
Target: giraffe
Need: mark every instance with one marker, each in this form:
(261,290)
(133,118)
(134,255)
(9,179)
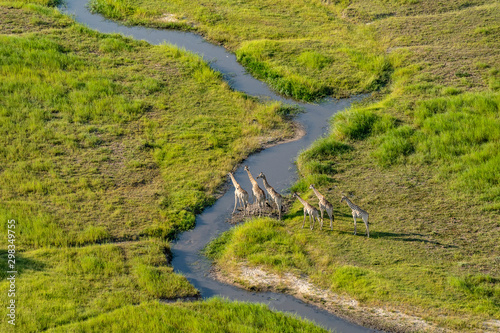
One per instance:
(258,194)
(278,199)
(357,212)
(240,195)
(308,210)
(324,205)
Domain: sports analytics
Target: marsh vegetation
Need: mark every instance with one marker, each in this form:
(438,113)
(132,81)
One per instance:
(109,148)
(422,155)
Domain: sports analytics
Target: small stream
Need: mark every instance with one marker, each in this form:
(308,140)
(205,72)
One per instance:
(275,162)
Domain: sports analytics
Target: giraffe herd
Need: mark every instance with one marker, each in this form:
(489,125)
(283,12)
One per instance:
(259,200)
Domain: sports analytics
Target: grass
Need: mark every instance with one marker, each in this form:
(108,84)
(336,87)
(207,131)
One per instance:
(314,56)
(105,159)
(430,266)
(214,315)
(107,136)
(421,156)
(58,286)
(309,49)
(87,137)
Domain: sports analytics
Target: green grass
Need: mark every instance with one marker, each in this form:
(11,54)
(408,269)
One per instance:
(458,135)
(95,129)
(421,157)
(409,268)
(110,147)
(214,315)
(302,49)
(309,49)
(58,286)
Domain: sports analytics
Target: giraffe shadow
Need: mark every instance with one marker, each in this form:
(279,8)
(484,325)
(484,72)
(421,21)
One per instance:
(299,213)
(408,237)
(344,215)
(20,264)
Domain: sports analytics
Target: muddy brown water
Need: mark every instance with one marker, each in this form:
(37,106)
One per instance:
(276,162)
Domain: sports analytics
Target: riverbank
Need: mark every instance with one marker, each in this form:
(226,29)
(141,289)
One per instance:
(430,207)
(93,126)
(421,158)
(259,279)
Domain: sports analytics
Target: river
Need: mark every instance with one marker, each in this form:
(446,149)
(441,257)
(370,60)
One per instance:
(275,162)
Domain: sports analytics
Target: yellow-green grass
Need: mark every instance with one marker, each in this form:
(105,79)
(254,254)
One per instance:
(302,49)
(58,286)
(107,138)
(311,48)
(412,159)
(109,147)
(421,258)
(422,157)
(214,315)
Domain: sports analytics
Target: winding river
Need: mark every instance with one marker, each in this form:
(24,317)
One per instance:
(275,162)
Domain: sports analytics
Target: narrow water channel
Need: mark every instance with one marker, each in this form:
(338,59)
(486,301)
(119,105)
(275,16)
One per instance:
(275,162)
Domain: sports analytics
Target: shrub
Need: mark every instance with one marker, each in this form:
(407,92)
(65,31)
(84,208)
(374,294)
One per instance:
(325,148)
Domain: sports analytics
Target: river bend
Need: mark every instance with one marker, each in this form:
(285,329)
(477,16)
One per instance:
(275,162)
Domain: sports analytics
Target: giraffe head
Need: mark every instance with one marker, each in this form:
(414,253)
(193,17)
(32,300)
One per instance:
(311,186)
(246,168)
(261,175)
(294,195)
(343,197)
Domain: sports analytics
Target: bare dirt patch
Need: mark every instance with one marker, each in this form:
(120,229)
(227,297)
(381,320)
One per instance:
(256,278)
(168,18)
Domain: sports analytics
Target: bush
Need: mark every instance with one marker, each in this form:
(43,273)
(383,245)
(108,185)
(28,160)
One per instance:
(313,60)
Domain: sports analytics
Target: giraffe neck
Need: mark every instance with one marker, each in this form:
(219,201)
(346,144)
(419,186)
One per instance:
(252,180)
(266,184)
(318,194)
(302,201)
(350,204)
(235,183)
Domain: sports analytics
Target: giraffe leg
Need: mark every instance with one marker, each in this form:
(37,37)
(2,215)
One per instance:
(330,214)
(303,224)
(354,217)
(311,217)
(235,202)
(246,205)
(321,221)
(367,231)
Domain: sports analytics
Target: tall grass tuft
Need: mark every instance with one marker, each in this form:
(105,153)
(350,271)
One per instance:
(213,315)
(355,124)
(313,60)
(114,9)
(320,157)
(396,145)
